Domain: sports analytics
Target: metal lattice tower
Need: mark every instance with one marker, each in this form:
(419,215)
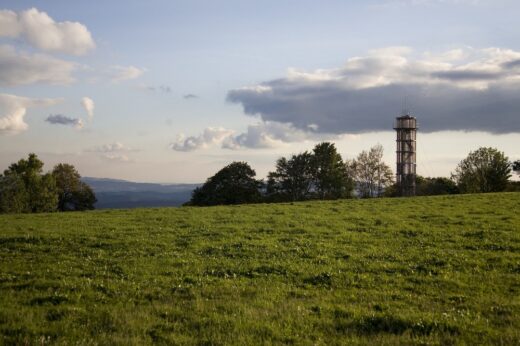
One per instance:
(406,127)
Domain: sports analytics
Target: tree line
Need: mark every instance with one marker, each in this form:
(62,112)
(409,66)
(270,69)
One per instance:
(25,188)
(323,174)
(319,174)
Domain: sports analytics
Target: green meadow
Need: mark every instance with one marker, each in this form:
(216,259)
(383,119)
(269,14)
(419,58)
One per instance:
(426,270)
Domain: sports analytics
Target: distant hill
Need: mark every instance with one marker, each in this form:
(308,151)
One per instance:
(114,193)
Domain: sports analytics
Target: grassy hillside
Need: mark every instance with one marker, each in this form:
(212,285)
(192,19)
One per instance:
(439,270)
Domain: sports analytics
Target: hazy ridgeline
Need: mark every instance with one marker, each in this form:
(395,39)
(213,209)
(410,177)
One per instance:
(425,270)
(114,193)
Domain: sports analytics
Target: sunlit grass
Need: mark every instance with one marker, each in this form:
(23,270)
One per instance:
(436,270)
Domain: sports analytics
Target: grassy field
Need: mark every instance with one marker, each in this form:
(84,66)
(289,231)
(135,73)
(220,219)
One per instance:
(426,270)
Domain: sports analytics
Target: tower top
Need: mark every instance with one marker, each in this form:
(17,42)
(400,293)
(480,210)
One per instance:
(406,121)
(406,116)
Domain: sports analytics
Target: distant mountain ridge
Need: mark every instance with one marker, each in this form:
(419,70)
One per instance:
(115,193)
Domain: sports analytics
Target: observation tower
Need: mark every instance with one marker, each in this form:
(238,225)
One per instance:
(406,128)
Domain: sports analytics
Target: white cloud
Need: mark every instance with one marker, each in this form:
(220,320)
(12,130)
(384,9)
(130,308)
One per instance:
(116,147)
(41,31)
(269,134)
(121,73)
(161,88)
(9,26)
(88,105)
(210,136)
(260,89)
(116,151)
(259,136)
(255,137)
(462,89)
(13,109)
(18,68)
(60,119)
(117,157)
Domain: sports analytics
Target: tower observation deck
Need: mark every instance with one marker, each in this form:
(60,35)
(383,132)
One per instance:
(406,128)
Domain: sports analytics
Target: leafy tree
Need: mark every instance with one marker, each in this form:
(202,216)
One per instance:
(392,191)
(73,194)
(330,175)
(513,186)
(40,188)
(371,173)
(484,170)
(292,180)
(516,166)
(427,187)
(435,186)
(84,198)
(46,195)
(233,184)
(13,195)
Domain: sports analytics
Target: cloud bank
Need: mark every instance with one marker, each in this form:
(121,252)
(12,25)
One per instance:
(463,89)
(60,119)
(41,31)
(13,109)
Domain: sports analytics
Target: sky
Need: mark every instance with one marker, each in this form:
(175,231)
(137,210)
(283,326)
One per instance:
(172,91)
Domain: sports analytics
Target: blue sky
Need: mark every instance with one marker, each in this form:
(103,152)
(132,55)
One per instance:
(181,88)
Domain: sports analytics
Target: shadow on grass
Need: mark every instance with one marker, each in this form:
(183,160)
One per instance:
(370,325)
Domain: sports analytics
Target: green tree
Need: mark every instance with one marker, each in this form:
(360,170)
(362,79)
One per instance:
(40,188)
(391,191)
(13,195)
(484,170)
(435,186)
(233,184)
(372,175)
(516,166)
(46,195)
(73,194)
(330,175)
(292,180)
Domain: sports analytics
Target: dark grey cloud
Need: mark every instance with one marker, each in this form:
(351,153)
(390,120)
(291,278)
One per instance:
(354,100)
(334,110)
(467,75)
(60,119)
(512,64)
(190,96)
